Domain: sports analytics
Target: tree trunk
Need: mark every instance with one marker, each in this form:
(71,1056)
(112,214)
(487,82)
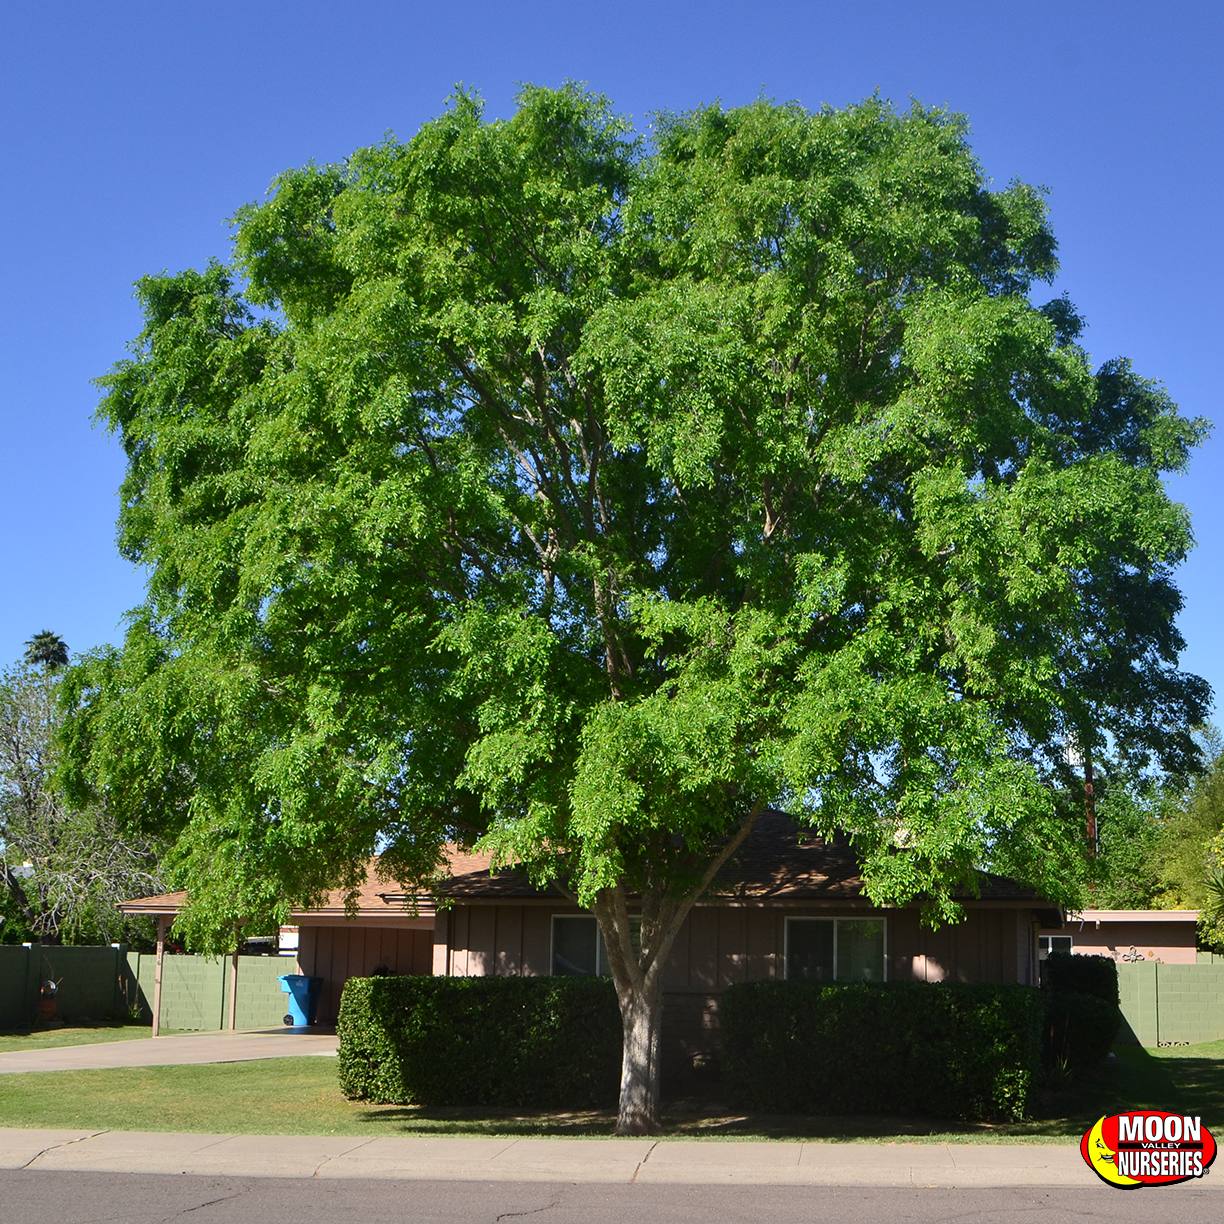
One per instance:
(641,1016)
(1090,812)
(637,971)
(20,898)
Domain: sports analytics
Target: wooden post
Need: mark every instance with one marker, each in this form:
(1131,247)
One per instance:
(233,990)
(162,923)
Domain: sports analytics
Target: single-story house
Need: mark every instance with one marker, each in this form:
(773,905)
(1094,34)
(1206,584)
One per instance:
(789,904)
(1165,936)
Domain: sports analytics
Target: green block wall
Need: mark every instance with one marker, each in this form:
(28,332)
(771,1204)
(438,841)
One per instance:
(1172,1003)
(195,990)
(17,987)
(90,979)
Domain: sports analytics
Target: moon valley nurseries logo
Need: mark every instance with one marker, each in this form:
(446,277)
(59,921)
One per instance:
(1147,1147)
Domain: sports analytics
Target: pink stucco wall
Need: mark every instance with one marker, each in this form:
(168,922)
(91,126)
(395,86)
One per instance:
(1170,943)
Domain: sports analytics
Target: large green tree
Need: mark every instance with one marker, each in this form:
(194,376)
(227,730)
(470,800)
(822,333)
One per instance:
(539,483)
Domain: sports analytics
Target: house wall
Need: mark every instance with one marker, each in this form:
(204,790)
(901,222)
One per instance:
(338,952)
(1171,943)
(719,945)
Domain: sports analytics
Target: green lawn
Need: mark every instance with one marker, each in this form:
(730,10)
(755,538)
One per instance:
(299,1096)
(45,1039)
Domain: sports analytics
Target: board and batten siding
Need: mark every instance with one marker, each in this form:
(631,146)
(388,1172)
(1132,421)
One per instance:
(722,944)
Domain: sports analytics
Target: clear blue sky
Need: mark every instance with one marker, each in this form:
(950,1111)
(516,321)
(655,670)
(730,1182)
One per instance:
(131,131)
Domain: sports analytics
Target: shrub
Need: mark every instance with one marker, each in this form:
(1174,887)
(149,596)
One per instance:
(1080,1029)
(519,1042)
(1094,975)
(1082,1013)
(948,1050)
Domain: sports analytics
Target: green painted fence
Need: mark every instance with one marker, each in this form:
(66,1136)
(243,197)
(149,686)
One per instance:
(94,983)
(111,983)
(1166,1004)
(195,990)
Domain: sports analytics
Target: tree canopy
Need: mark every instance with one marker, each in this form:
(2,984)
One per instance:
(536,481)
(1162,841)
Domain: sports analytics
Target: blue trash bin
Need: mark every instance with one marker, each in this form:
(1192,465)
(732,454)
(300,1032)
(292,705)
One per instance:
(303,992)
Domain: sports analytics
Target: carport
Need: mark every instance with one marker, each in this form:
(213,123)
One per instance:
(382,931)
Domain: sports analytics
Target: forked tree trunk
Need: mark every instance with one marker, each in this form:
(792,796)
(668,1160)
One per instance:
(637,975)
(641,1016)
(637,970)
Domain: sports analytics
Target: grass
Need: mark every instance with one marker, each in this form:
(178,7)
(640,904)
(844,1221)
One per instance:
(295,1096)
(70,1035)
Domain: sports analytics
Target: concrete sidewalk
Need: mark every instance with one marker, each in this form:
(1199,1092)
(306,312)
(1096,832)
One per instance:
(554,1160)
(180,1050)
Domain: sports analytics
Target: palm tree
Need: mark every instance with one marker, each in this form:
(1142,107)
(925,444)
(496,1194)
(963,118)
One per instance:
(1215,895)
(48,649)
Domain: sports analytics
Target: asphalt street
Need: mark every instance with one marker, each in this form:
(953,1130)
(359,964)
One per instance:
(34,1197)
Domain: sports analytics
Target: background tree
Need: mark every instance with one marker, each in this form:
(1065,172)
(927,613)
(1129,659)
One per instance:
(1190,852)
(1161,841)
(47,650)
(1126,871)
(62,867)
(526,483)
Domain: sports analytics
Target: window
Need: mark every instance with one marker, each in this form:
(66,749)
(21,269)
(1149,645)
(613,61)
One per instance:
(577,947)
(1052,943)
(835,949)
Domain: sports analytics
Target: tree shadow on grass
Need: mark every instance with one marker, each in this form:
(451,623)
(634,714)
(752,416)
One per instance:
(695,1120)
(1133,1078)
(1198,1089)
(704,1120)
(487,1120)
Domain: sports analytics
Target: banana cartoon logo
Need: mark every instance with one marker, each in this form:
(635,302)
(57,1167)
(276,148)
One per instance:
(1147,1147)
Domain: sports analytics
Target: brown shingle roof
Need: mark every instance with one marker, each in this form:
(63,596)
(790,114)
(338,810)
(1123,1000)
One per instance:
(375,898)
(163,903)
(778,861)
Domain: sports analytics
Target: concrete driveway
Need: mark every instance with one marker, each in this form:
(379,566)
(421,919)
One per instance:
(179,1050)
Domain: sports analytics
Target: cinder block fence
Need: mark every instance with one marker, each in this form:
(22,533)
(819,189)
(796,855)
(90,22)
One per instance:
(94,982)
(1163,1004)
(113,983)
(195,990)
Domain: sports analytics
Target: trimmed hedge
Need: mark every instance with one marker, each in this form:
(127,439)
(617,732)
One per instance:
(946,1050)
(546,1042)
(1094,975)
(1080,1030)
